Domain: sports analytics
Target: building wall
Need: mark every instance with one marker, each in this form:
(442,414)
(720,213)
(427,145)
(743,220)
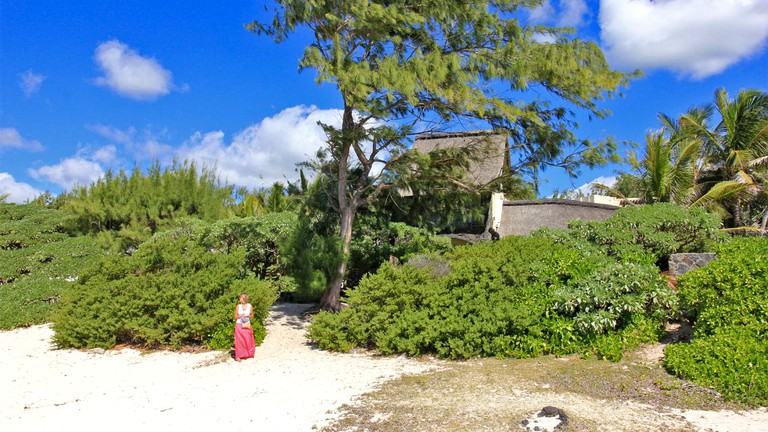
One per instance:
(522,217)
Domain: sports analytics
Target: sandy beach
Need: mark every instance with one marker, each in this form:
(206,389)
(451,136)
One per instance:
(288,386)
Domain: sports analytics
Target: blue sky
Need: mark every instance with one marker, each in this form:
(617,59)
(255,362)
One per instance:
(89,85)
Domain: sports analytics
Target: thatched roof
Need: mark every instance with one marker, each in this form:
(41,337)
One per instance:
(480,172)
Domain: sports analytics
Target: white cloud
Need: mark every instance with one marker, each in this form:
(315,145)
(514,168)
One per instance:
(573,13)
(105,155)
(30,82)
(696,38)
(17,192)
(130,74)
(266,152)
(568,13)
(542,12)
(144,146)
(586,189)
(69,173)
(11,138)
(113,134)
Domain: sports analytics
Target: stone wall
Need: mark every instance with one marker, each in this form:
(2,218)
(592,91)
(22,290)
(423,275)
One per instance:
(522,217)
(682,263)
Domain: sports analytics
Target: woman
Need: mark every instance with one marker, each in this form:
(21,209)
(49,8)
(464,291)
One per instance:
(245,347)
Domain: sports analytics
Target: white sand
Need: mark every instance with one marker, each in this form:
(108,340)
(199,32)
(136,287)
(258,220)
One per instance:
(287,386)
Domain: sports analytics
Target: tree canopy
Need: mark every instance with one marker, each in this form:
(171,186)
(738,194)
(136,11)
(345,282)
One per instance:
(403,66)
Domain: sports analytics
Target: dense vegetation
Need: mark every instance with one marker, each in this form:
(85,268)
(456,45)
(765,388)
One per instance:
(520,297)
(179,247)
(173,291)
(554,292)
(123,211)
(39,261)
(712,156)
(728,305)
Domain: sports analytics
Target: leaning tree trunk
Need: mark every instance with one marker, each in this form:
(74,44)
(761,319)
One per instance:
(331,300)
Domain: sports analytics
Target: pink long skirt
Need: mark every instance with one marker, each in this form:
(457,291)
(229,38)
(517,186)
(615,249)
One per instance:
(245,346)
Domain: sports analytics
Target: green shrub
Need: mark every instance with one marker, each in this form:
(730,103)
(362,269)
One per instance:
(651,233)
(172,291)
(733,360)
(610,296)
(494,299)
(373,246)
(38,262)
(727,302)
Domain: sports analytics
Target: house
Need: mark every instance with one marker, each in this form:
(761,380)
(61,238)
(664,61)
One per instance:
(510,217)
(492,145)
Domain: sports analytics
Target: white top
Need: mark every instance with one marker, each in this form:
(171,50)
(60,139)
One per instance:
(244,311)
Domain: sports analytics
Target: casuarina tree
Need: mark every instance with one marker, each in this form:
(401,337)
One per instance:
(406,66)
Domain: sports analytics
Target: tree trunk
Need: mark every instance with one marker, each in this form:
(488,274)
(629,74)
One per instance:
(331,300)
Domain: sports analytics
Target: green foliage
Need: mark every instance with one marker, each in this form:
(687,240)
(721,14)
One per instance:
(733,177)
(122,210)
(651,233)
(727,301)
(38,262)
(313,251)
(609,297)
(373,246)
(262,237)
(172,291)
(499,299)
(399,67)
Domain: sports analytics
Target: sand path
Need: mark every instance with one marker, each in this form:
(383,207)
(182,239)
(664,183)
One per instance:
(288,386)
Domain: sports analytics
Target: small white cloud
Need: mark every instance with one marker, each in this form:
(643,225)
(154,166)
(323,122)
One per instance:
(697,38)
(131,75)
(586,189)
(17,192)
(145,145)
(69,173)
(30,82)
(568,13)
(266,152)
(573,13)
(105,155)
(543,12)
(113,134)
(10,138)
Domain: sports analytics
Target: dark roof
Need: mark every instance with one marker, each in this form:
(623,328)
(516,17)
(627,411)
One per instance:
(480,172)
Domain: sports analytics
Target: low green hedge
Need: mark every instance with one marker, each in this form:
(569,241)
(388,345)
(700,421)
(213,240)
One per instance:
(727,302)
(173,291)
(39,261)
(501,299)
(651,233)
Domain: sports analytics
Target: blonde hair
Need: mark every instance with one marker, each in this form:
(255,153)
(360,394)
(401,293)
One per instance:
(246,296)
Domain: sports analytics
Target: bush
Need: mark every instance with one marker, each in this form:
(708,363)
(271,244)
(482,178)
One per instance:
(373,246)
(727,302)
(651,233)
(609,297)
(261,237)
(172,292)
(493,299)
(39,261)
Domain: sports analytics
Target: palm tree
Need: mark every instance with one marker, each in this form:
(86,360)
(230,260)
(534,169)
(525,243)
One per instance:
(668,169)
(735,155)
